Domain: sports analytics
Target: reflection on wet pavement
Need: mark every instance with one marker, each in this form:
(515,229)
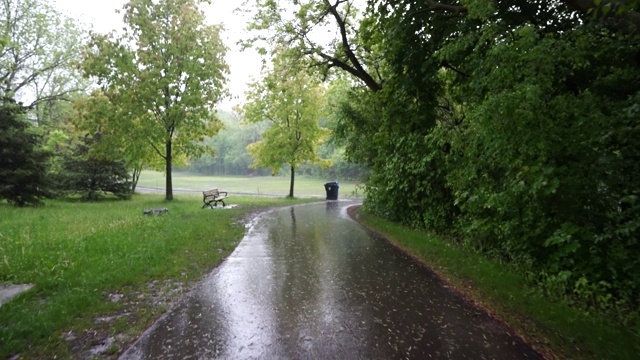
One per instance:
(308,283)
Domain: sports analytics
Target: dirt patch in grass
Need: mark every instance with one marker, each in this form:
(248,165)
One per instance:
(110,334)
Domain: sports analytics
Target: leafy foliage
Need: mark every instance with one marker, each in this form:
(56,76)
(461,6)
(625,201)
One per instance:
(230,156)
(535,169)
(164,75)
(91,175)
(509,125)
(291,101)
(39,48)
(97,114)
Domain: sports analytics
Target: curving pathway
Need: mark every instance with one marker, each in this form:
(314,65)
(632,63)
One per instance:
(309,283)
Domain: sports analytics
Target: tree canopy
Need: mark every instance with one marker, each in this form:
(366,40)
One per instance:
(291,101)
(96,115)
(305,26)
(91,174)
(38,48)
(164,75)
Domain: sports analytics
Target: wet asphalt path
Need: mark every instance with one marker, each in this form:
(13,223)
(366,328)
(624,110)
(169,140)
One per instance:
(309,283)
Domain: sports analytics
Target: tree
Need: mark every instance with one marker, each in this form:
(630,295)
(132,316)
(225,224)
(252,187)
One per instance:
(291,101)
(23,165)
(97,115)
(166,72)
(306,31)
(36,61)
(543,163)
(90,174)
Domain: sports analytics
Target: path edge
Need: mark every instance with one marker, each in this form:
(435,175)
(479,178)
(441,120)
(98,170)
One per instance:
(354,213)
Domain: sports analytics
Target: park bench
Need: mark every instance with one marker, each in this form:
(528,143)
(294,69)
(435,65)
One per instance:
(211,198)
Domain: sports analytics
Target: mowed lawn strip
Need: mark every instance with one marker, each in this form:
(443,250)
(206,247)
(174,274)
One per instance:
(104,269)
(304,186)
(555,329)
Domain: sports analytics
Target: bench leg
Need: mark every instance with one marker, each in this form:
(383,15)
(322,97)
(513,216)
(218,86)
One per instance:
(213,203)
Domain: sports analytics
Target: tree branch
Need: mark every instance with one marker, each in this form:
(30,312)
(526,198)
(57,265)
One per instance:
(56,97)
(156,149)
(451,67)
(357,70)
(631,17)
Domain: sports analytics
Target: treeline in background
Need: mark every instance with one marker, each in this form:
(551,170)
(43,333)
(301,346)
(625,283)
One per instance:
(230,156)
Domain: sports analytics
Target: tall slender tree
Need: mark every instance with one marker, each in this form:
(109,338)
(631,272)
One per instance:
(291,101)
(166,72)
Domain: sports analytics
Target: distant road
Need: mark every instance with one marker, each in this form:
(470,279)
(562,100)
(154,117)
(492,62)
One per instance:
(158,190)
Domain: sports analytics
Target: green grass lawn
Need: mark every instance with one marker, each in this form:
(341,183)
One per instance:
(566,331)
(274,185)
(106,260)
(104,269)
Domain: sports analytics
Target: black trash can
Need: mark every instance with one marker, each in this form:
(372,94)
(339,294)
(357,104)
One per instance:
(332,190)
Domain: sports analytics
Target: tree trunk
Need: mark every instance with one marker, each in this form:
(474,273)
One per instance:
(169,185)
(135,176)
(293,174)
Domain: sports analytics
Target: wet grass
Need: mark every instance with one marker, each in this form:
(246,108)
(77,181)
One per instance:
(91,260)
(555,329)
(279,185)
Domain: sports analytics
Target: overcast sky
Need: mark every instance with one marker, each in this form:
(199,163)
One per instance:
(244,66)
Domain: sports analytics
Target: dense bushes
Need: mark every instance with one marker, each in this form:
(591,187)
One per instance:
(90,175)
(529,151)
(536,171)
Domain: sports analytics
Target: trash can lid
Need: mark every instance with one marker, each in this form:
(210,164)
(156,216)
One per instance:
(332,183)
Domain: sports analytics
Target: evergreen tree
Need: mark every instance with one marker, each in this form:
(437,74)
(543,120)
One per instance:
(88,174)
(23,165)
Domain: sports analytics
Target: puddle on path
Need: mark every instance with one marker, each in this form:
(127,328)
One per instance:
(307,282)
